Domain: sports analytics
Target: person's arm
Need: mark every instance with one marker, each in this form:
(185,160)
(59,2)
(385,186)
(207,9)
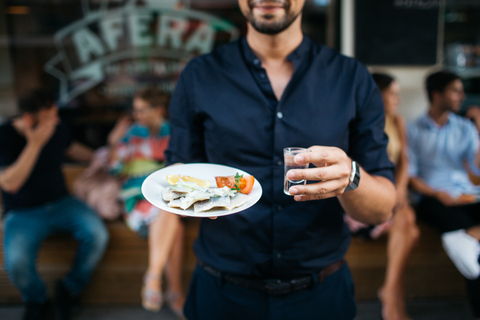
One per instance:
(373,201)
(79,152)
(13,177)
(401,170)
(423,188)
(119,131)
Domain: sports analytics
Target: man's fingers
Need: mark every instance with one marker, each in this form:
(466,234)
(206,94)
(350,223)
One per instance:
(332,172)
(319,155)
(213,218)
(304,197)
(320,190)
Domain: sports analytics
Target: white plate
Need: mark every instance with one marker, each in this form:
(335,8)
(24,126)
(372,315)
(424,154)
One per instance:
(154,184)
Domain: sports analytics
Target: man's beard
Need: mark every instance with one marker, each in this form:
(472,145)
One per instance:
(271,27)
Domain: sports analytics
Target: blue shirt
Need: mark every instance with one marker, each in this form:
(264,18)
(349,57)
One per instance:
(46,182)
(224,111)
(438,153)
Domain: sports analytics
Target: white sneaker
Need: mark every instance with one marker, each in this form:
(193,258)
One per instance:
(463,250)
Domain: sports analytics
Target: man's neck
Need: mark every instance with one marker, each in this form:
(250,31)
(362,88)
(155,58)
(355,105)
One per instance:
(269,48)
(439,115)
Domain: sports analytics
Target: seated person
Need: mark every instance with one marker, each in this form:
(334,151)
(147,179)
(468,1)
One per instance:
(402,229)
(138,150)
(37,204)
(441,145)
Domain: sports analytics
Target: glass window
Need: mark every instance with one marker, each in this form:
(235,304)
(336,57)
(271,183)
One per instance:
(94,54)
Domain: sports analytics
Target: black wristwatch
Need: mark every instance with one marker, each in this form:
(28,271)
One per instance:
(354,177)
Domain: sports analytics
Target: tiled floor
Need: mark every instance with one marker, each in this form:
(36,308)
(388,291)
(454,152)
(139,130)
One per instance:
(419,310)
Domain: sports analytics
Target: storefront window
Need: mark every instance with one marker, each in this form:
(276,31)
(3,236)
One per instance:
(93,55)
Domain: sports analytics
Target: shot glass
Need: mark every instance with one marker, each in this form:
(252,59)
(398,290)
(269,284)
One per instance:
(289,163)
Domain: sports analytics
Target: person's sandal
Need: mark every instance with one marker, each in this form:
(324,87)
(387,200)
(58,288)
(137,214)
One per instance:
(152,300)
(170,298)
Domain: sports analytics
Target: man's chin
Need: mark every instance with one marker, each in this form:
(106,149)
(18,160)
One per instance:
(269,25)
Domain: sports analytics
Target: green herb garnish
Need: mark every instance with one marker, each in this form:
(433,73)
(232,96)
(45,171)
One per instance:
(237,181)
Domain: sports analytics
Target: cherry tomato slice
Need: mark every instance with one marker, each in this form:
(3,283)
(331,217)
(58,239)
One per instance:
(245,184)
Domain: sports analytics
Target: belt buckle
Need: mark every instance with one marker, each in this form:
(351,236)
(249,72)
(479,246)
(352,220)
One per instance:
(277,287)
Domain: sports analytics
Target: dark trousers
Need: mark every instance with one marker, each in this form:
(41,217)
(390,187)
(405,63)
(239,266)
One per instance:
(447,219)
(210,298)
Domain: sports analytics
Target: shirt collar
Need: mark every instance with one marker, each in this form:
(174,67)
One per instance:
(428,121)
(295,57)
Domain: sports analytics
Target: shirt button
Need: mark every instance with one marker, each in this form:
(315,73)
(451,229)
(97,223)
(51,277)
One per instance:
(279,163)
(279,208)
(263,75)
(279,255)
(256,61)
(279,115)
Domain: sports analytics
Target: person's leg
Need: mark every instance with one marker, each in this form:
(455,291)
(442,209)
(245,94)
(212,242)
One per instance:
(473,286)
(473,290)
(210,298)
(403,235)
(474,232)
(461,247)
(24,231)
(473,211)
(75,217)
(161,234)
(444,218)
(333,299)
(173,271)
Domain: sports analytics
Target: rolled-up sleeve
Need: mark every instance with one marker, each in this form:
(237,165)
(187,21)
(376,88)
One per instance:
(368,141)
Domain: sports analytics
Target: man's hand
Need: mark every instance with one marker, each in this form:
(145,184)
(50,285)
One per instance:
(474,114)
(42,132)
(446,199)
(333,168)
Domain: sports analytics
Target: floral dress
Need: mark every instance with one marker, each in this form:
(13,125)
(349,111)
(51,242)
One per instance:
(136,156)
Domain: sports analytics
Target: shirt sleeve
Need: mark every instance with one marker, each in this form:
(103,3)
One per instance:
(472,150)
(368,141)
(186,136)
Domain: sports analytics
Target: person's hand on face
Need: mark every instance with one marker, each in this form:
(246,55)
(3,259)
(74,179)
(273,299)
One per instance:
(119,130)
(332,173)
(40,127)
(474,114)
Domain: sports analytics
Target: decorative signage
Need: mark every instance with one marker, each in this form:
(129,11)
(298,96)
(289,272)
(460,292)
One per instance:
(130,45)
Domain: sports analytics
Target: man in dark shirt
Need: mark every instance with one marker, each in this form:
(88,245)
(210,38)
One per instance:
(240,106)
(37,204)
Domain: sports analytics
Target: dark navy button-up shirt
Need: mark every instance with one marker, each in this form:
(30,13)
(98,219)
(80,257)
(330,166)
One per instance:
(224,111)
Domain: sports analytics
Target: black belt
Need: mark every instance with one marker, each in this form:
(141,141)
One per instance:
(275,286)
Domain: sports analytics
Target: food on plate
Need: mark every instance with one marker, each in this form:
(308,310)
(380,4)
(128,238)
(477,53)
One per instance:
(237,182)
(174,178)
(183,194)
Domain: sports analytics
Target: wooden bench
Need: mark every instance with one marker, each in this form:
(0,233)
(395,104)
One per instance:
(118,278)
